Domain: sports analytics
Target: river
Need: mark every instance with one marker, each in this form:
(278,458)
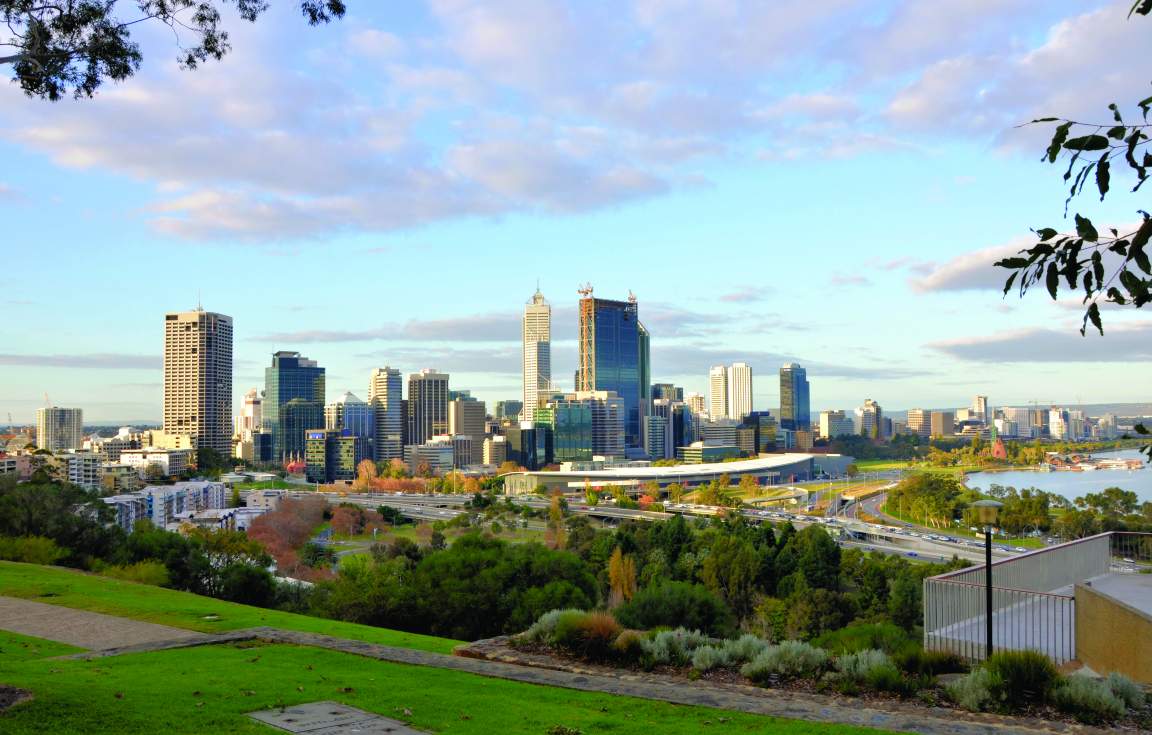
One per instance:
(1072,484)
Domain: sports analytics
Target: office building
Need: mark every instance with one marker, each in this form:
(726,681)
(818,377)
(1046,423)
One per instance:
(294,389)
(739,390)
(508,410)
(495,451)
(704,453)
(466,417)
(570,429)
(920,422)
(696,403)
(718,392)
(59,429)
(332,455)
(979,409)
(871,420)
(537,363)
(943,423)
(667,392)
(795,409)
(718,432)
(836,423)
(249,420)
(385,396)
(614,358)
(764,428)
(350,414)
(659,429)
(198,378)
(427,405)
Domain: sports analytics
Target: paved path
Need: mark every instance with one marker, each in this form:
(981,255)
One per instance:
(81,628)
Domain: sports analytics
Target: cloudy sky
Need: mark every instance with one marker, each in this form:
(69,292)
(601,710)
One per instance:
(826,182)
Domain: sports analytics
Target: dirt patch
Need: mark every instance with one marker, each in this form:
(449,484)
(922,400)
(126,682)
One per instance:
(11,696)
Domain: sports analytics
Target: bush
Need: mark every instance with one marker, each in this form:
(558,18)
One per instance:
(1022,677)
(921,663)
(144,572)
(677,604)
(673,647)
(871,668)
(31,550)
(544,629)
(787,660)
(706,658)
(1126,690)
(886,637)
(745,648)
(973,691)
(1088,700)
(629,646)
(587,634)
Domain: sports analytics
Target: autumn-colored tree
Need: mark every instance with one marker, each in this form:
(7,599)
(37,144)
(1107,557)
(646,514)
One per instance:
(509,466)
(748,484)
(556,534)
(423,469)
(621,578)
(591,494)
(675,492)
(365,475)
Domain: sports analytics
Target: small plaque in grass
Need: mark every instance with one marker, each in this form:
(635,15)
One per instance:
(332,718)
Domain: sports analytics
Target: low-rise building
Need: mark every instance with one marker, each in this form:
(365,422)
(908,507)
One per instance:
(160,504)
(171,462)
(703,452)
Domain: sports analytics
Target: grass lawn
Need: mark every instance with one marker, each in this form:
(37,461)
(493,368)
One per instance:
(70,588)
(208,690)
(270,485)
(1024,542)
(883,465)
(15,647)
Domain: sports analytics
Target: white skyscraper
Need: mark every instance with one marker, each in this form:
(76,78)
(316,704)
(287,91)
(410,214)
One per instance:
(718,392)
(979,409)
(58,429)
(250,416)
(385,394)
(739,390)
(537,353)
(198,378)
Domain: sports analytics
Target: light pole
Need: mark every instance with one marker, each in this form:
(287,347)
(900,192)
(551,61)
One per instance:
(988,511)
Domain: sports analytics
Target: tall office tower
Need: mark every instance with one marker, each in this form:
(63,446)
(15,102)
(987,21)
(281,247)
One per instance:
(795,409)
(385,389)
(920,422)
(198,378)
(668,392)
(739,390)
(695,403)
(943,423)
(248,421)
(661,429)
(466,417)
(871,418)
(718,392)
(614,357)
(427,405)
(835,423)
(351,415)
(58,429)
(979,409)
(537,332)
(293,402)
(568,421)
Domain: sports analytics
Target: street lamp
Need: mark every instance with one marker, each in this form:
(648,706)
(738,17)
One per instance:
(987,511)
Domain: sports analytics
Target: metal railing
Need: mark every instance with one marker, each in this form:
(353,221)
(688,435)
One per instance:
(1032,597)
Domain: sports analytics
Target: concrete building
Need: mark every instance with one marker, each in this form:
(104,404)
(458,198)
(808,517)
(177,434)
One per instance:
(385,394)
(943,423)
(294,389)
(537,363)
(198,378)
(870,418)
(171,462)
(110,447)
(116,478)
(1058,424)
(59,429)
(920,422)
(739,390)
(718,432)
(795,399)
(161,504)
(495,451)
(427,405)
(467,417)
(718,392)
(250,418)
(696,403)
(979,409)
(836,423)
(437,455)
(81,468)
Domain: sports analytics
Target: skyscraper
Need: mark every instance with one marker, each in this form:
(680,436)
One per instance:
(427,405)
(718,392)
(293,402)
(466,417)
(614,357)
(198,378)
(248,421)
(739,390)
(795,410)
(351,415)
(871,418)
(58,429)
(920,422)
(979,409)
(385,389)
(537,332)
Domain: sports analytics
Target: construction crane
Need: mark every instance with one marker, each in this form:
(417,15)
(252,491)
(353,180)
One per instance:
(585,290)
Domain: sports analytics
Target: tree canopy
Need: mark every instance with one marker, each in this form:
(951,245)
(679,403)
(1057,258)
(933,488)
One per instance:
(61,48)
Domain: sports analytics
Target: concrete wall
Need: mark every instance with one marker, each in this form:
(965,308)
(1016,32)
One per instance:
(1112,636)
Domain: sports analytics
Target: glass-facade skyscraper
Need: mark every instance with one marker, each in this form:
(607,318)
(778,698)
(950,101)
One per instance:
(614,356)
(795,409)
(293,402)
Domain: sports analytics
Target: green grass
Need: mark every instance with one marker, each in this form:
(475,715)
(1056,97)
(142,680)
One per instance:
(70,588)
(1024,542)
(270,485)
(883,465)
(15,648)
(208,690)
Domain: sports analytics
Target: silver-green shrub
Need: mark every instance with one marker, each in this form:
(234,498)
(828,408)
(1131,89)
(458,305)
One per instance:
(745,648)
(973,691)
(1088,700)
(544,628)
(787,660)
(706,658)
(1126,690)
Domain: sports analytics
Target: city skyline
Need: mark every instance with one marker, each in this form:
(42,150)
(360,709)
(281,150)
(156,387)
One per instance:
(707,171)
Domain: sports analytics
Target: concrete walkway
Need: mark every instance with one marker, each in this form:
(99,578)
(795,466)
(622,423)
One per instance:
(82,628)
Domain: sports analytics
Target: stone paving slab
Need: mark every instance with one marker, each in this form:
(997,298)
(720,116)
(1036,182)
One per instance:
(81,628)
(332,718)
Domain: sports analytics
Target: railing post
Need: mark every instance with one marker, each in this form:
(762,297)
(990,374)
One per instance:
(988,584)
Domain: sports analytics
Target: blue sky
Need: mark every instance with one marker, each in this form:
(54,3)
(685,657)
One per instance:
(821,182)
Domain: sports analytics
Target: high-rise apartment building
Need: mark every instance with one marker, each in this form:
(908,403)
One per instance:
(739,390)
(943,423)
(198,378)
(920,422)
(466,417)
(718,392)
(979,409)
(537,333)
(795,407)
(614,358)
(293,402)
(696,403)
(249,420)
(385,395)
(836,423)
(871,419)
(59,429)
(427,405)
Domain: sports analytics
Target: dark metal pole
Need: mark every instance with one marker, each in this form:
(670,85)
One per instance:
(988,585)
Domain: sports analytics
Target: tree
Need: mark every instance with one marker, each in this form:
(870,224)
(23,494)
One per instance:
(675,604)
(154,472)
(852,470)
(621,578)
(675,492)
(730,570)
(365,475)
(556,534)
(73,47)
(1110,267)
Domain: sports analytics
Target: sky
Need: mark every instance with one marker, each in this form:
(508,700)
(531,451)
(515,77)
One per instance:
(784,180)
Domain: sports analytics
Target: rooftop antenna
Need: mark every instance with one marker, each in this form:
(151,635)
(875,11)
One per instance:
(199,303)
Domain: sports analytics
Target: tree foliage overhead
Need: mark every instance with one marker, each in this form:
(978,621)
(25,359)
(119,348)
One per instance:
(61,47)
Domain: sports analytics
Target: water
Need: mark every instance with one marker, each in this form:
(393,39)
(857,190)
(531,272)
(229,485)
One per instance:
(1072,485)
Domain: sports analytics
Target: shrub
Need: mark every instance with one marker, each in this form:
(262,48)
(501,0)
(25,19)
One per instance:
(677,604)
(892,639)
(918,662)
(31,550)
(1088,700)
(586,634)
(544,629)
(745,648)
(1126,690)
(706,658)
(1022,677)
(629,646)
(973,691)
(871,668)
(787,660)
(144,572)
(674,647)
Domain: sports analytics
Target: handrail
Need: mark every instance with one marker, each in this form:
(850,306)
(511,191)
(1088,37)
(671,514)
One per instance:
(999,587)
(1025,555)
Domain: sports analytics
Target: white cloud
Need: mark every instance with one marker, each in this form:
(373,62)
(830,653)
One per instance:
(1122,342)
